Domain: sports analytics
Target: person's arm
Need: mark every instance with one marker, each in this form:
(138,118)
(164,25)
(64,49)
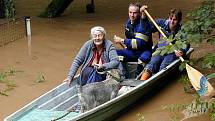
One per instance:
(79,59)
(112,57)
(142,36)
(161,23)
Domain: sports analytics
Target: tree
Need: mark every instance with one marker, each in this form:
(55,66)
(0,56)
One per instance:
(7,8)
(2,13)
(55,8)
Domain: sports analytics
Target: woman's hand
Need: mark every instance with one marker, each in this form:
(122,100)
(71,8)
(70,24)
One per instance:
(68,80)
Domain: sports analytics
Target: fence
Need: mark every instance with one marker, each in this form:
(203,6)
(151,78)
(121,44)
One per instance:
(12,30)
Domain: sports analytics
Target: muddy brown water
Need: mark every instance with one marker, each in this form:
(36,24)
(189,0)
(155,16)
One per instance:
(55,42)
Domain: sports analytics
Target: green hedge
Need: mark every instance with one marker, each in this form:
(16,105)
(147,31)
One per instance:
(7,9)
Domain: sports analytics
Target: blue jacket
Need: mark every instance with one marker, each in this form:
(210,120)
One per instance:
(164,24)
(86,53)
(138,35)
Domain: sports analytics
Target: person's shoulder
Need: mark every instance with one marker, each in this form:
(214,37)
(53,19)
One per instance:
(108,41)
(161,20)
(127,22)
(88,43)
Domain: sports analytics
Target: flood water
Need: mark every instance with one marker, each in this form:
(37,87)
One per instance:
(55,42)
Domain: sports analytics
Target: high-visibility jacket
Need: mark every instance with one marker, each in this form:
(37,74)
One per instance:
(138,35)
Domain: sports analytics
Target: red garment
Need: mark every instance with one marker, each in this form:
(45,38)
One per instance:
(97,57)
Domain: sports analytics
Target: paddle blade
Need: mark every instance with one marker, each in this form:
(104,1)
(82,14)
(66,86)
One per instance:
(199,82)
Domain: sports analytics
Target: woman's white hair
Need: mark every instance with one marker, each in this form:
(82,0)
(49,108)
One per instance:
(98,29)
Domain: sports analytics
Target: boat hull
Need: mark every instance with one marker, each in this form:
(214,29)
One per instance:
(63,98)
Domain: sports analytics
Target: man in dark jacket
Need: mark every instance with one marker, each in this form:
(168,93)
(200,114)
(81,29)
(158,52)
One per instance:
(138,39)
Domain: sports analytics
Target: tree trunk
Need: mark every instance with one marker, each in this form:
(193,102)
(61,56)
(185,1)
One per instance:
(55,8)
(2,13)
(7,9)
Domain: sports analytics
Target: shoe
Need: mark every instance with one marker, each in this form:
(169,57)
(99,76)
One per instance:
(146,74)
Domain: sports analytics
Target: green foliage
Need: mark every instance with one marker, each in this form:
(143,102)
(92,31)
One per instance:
(184,79)
(174,117)
(174,107)
(202,19)
(10,84)
(183,65)
(211,41)
(3,93)
(5,74)
(40,78)
(212,115)
(55,8)
(199,27)
(140,117)
(51,10)
(2,76)
(9,10)
(196,108)
(209,61)
(210,76)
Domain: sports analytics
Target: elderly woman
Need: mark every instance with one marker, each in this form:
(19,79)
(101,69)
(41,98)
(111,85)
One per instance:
(96,51)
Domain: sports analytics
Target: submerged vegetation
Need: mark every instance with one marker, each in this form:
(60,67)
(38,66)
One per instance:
(40,78)
(196,108)
(55,8)
(140,117)
(7,81)
(4,80)
(7,9)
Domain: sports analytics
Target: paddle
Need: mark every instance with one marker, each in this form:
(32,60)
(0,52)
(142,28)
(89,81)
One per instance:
(198,80)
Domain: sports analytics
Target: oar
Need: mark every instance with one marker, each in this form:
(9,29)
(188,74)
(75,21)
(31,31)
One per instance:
(198,80)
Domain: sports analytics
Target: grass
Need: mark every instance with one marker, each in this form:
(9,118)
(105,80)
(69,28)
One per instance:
(140,117)
(8,84)
(40,79)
